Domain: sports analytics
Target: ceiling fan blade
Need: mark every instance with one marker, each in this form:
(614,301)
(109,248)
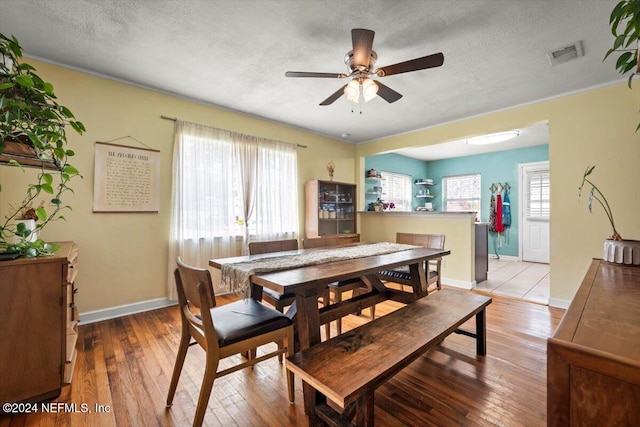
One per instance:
(337,94)
(388,94)
(362,44)
(430,61)
(320,75)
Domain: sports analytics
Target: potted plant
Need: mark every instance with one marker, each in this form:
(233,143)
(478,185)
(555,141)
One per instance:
(32,134)
(616,249)
(625,27)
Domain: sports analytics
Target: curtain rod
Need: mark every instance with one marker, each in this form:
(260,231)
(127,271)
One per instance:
(175,119)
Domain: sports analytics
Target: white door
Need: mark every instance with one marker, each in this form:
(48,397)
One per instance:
(535,208)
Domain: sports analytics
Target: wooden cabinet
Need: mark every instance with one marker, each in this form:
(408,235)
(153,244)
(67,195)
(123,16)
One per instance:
(38,325)
(593,358)
(330,208)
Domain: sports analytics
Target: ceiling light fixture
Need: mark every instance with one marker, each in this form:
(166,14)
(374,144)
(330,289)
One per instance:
(365,87)
(493,138)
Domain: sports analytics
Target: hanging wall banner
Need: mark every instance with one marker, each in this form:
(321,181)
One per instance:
(127,179)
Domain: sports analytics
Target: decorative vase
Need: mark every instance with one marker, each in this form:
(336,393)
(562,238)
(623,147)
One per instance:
(622,251)
(30,224)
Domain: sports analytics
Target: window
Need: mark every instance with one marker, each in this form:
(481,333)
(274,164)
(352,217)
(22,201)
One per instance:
(397,188)
(538,202)
(461,194)
(228,188)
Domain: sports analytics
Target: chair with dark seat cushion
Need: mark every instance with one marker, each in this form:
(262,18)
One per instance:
(224,331)
(338,288)
(402,275)
(276,299)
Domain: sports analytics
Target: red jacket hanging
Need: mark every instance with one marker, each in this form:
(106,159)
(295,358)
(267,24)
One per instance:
(499,226)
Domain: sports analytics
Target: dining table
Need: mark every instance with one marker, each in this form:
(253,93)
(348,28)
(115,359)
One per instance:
(308,281)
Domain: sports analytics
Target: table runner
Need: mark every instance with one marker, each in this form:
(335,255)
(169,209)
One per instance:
(237,275)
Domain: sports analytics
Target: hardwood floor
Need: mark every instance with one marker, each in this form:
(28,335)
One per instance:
(125,365)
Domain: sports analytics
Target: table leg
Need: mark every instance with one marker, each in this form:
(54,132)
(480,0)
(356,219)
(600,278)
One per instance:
(364,410)
(256,292)
(308,321)
(418,280)
(481,333)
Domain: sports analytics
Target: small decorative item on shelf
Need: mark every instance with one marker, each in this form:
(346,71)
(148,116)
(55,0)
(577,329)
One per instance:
(26,225)
(616,249)
(331,167)
(388,206)
(371,173)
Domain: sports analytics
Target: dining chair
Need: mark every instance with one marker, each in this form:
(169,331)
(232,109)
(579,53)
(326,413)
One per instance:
(339,288)
(402,276)
(276,299)
(224,331)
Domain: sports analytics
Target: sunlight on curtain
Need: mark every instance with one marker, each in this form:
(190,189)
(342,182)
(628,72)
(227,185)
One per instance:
(228,188)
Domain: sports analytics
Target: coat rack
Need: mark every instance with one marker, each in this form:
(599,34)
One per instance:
(499,187)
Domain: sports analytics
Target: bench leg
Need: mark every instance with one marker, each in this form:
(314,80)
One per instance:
(364,410)
(481,333)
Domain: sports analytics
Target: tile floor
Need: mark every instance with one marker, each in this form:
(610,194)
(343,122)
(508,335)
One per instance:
(525,280)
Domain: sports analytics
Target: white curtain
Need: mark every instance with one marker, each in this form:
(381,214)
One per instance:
(228,187)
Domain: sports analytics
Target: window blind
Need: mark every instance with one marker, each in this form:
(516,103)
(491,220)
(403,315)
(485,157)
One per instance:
(461,193)
(538,196)
(397,188)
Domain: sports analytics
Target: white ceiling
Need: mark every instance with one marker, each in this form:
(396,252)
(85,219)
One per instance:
(233,54)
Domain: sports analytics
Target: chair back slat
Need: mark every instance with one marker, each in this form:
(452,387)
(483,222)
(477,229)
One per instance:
(266,247)
(187,285)
(433,241)
(318,242)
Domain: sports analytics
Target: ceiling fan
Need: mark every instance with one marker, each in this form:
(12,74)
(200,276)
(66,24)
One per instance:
(360,62)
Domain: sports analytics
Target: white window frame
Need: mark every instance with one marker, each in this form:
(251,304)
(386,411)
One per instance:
(397,188)
(477,197)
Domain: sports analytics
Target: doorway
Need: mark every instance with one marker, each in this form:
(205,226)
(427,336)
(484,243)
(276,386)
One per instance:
(535,209)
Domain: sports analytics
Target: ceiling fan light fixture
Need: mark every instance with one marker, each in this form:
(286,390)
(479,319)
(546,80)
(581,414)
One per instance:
(369,89)
(493,138)
(352,91)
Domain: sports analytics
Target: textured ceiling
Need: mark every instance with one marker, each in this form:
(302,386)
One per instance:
(234,54)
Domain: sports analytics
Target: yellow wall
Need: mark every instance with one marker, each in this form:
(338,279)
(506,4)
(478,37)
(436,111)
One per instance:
(123,257)
(593,127)
(458,268)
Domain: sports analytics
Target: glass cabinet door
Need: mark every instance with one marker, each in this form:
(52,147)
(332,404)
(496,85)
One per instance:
(336,208)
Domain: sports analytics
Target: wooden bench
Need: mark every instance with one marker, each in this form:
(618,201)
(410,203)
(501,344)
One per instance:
(348,368)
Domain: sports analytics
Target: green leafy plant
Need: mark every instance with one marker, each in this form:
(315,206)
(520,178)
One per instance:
(31,117)
(596,194)
(625,27)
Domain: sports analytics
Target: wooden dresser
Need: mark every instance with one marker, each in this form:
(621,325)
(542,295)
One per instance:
(38,325)
(593,359)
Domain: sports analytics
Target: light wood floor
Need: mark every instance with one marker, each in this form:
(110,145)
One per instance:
(125,365)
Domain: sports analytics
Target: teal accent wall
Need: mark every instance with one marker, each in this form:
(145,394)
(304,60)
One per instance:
(398,164)
(496,167)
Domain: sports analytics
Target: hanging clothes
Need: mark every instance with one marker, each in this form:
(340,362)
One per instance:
(492,214)
(499,224)
(506,210)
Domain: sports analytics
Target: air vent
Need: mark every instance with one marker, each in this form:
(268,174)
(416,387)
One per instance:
(565,54)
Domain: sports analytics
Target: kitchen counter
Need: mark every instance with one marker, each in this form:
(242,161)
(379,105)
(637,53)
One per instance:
(421,213)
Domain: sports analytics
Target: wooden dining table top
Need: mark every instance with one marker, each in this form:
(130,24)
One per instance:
(311,276)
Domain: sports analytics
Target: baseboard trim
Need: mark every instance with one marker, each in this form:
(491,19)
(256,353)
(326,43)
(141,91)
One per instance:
(559,303)
(462,284)
(505,257)
(124,310)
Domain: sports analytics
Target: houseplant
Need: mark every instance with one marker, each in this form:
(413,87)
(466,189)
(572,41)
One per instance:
(616,249)
(625,27)
(33,134)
